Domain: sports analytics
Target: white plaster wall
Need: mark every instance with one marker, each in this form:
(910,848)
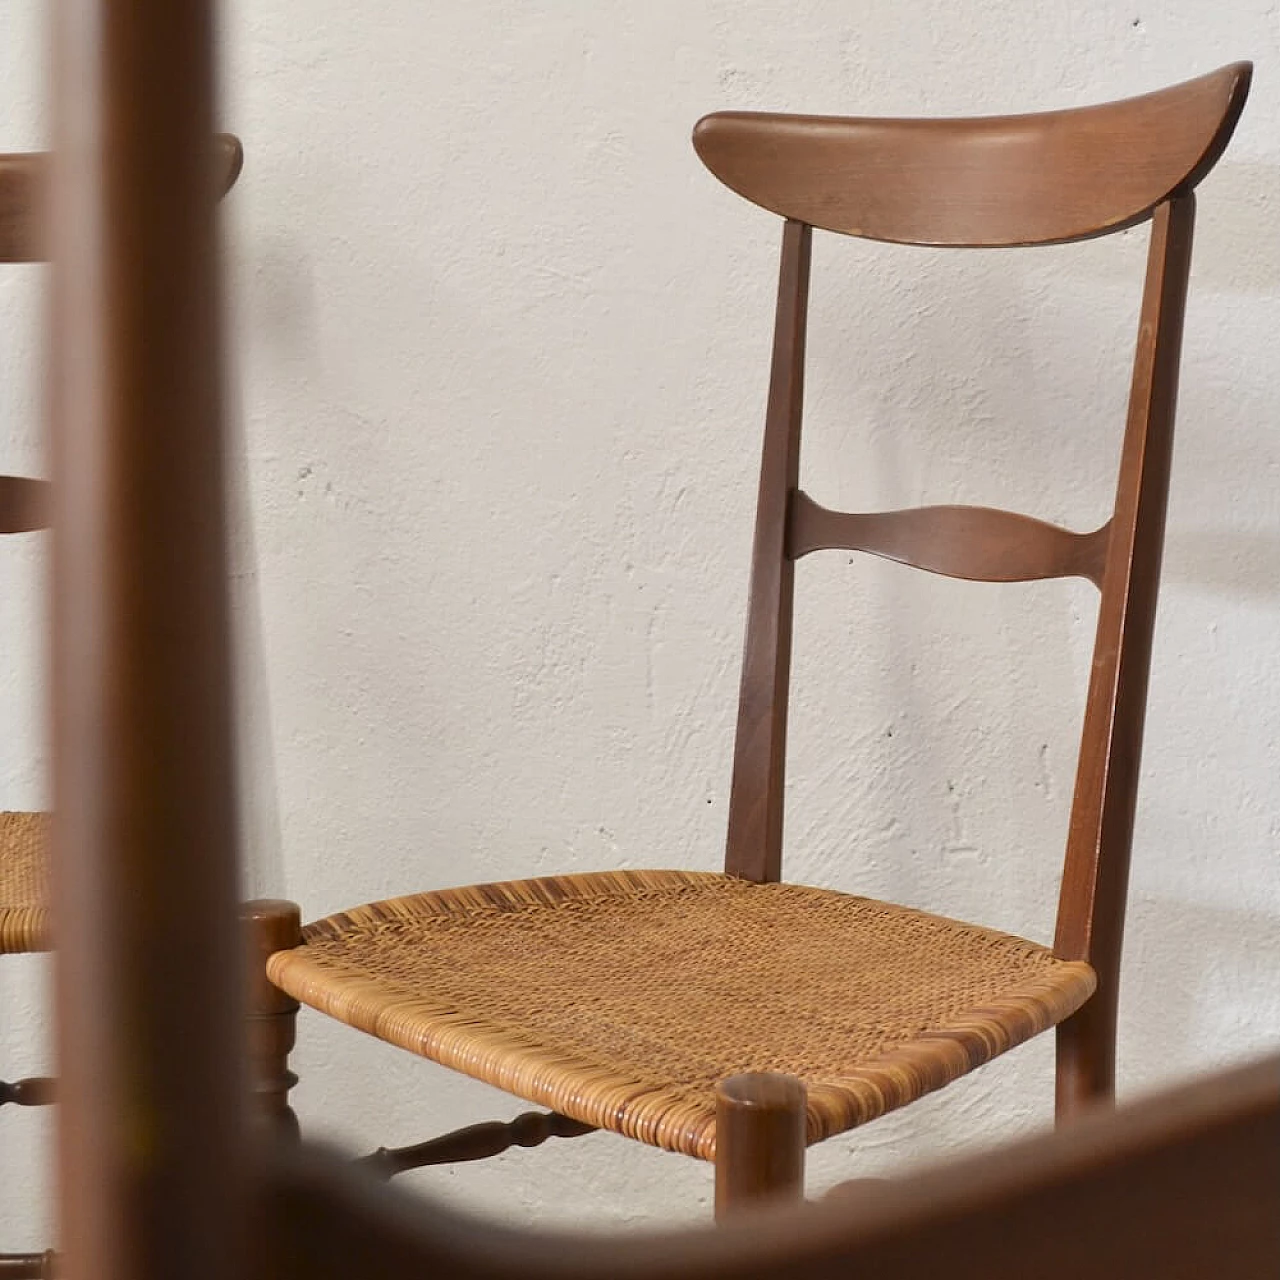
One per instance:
(500,354)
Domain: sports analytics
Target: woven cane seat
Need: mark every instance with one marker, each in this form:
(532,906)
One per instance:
(24,915)
(621,998)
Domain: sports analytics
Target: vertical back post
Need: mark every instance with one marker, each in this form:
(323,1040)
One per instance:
(754,846)
(147,966)
(1096,873)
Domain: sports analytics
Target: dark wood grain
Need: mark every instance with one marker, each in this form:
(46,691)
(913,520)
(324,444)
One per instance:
(997,180)
(760,1142)
(1095,877)
(754,843)
(1179,1187)
(976,543)
(152,1151)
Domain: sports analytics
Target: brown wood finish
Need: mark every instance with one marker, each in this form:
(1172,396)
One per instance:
(151,1144)
(1122,557)
(1181,1186)
(24,504)
(36,1091)
(331,971)
(1096,872)
(153,1149)
(988,181)
(270,925)
(28,1266)
(961,542)
(24,180)
(476,1142)
(760,1141)
(754,843)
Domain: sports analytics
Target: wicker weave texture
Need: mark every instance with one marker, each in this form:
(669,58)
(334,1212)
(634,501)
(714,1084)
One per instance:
(24,916)
(621,998)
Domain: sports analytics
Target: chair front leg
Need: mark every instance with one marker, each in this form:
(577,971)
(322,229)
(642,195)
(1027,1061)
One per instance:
(271,1016)
(760,1141)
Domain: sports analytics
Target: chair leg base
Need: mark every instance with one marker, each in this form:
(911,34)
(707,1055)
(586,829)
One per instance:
(271,1015)
(760,1141)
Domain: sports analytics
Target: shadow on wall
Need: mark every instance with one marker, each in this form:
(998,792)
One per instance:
(1234,243)
(1183,965)
(262,853)
(1236,563)
(1235,231)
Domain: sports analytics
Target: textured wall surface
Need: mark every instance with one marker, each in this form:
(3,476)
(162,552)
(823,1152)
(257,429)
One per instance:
(500,348)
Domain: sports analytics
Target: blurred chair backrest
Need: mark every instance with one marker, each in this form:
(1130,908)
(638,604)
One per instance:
(24,180)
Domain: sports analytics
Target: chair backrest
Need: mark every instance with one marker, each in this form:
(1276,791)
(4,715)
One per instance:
(999,181)
(24,178)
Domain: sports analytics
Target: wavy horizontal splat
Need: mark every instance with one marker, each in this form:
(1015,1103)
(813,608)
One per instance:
(978,543)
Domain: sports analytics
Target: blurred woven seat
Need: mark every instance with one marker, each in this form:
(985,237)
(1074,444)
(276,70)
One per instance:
(621,998)
(24,913)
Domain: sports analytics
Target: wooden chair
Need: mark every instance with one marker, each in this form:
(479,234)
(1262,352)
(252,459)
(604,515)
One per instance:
(159,1174)
(23,836)
(24,508)
(621,999)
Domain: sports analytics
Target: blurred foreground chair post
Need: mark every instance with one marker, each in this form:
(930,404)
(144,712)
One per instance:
(153,1157)
(25,507)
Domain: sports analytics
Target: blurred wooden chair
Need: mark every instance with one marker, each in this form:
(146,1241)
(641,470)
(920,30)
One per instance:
(23,836)
(620,999)
(24,508)
(160,1176)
